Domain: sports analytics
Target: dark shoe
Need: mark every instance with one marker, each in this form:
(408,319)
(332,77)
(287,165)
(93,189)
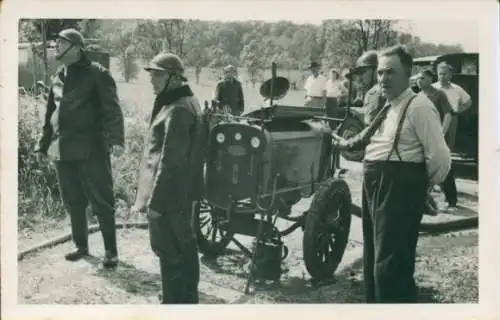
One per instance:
(110,260)
(77,255)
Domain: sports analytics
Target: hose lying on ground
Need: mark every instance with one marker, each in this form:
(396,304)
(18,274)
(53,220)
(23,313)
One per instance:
(437,227)
(67,237)
(428,228)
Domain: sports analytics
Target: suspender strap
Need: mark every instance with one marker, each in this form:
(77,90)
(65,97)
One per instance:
(398,130)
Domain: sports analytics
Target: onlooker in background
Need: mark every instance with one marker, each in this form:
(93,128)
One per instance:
(83,127)
(368,93)
(459,101)
(315,87)
(229,92)
(343,98)
(424,82)
(333,93)
(333,85)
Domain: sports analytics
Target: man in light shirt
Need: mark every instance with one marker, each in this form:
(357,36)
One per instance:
(333,92)
(459,101)
(403,156)
(424,82)
(334,85)
(315,87)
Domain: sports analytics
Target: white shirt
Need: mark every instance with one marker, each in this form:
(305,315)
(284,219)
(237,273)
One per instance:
(315,86)
(456,95)
(333,88)
(421,138)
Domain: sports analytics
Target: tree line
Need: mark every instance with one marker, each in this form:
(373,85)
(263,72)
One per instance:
(250,45)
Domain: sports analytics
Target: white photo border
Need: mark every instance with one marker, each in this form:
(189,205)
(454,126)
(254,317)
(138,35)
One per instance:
(486,15)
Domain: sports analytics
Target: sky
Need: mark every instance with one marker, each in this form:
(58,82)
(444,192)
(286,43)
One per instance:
(445,32)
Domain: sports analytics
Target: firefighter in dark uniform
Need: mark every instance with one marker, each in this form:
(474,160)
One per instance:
(404,153)
(170,178)
(83,126)
(368,94)
(229,92)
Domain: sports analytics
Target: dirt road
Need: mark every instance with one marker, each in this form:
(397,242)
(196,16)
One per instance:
(46,278)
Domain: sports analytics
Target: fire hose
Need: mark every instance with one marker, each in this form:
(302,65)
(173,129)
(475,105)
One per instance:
(437,227)
(426,228)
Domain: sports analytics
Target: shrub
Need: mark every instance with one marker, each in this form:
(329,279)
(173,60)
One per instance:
(38,196)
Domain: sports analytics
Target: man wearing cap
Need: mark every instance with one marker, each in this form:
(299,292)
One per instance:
(315,87)
(460,101)
(170,178)
(229,92)
(405,154)
(83,125)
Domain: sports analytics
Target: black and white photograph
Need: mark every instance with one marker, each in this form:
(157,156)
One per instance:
(232,159)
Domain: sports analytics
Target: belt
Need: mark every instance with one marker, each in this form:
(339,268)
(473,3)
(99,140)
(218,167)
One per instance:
(315,97)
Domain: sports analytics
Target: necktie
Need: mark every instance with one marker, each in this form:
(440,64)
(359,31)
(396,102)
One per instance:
(363,138)
(377,121)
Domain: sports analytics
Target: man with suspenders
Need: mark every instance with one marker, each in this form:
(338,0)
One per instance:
(403,155)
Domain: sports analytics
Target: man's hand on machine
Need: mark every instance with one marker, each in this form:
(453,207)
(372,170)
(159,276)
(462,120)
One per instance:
(339,142)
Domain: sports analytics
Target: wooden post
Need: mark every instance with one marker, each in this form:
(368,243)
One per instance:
(44,45)
(34,63)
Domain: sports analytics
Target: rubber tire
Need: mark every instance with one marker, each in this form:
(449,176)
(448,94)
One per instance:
(322,201)
(208,248)
(351,127)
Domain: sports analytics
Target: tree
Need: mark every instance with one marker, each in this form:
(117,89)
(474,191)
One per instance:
(198,54)
(119,39)
(252,60)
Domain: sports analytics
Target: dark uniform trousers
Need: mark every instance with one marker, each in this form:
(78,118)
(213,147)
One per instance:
(170,176)
(179,262)
(450,188)
(84,182)
(393,198)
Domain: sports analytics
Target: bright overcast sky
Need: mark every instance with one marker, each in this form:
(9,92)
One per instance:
(445,32)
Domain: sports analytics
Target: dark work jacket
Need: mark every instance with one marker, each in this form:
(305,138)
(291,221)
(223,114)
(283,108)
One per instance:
(171,170)
(230,93)
(83,117)
(372,103)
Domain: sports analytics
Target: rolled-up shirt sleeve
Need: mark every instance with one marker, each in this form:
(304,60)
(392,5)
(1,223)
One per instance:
(425,121)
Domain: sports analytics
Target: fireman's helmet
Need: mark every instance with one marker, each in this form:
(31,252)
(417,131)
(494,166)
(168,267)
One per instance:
(73,36)
(167,62)
(367,60)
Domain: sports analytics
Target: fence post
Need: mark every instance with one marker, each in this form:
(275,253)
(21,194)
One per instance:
(45,62)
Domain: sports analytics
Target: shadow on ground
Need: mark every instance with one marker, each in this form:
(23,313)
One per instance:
(139,282)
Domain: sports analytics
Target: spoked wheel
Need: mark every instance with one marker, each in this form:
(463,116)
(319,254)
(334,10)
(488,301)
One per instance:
(212,230)
(326,229)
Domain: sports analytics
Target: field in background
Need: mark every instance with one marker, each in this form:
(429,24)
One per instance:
(139,90)
(39,204)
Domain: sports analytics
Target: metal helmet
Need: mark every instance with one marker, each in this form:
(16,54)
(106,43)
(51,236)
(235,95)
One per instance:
(167,62)
(368,59)
(73,36)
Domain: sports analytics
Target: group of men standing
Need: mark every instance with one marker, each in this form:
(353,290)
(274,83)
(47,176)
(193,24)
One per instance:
(448,98)
(405,153)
